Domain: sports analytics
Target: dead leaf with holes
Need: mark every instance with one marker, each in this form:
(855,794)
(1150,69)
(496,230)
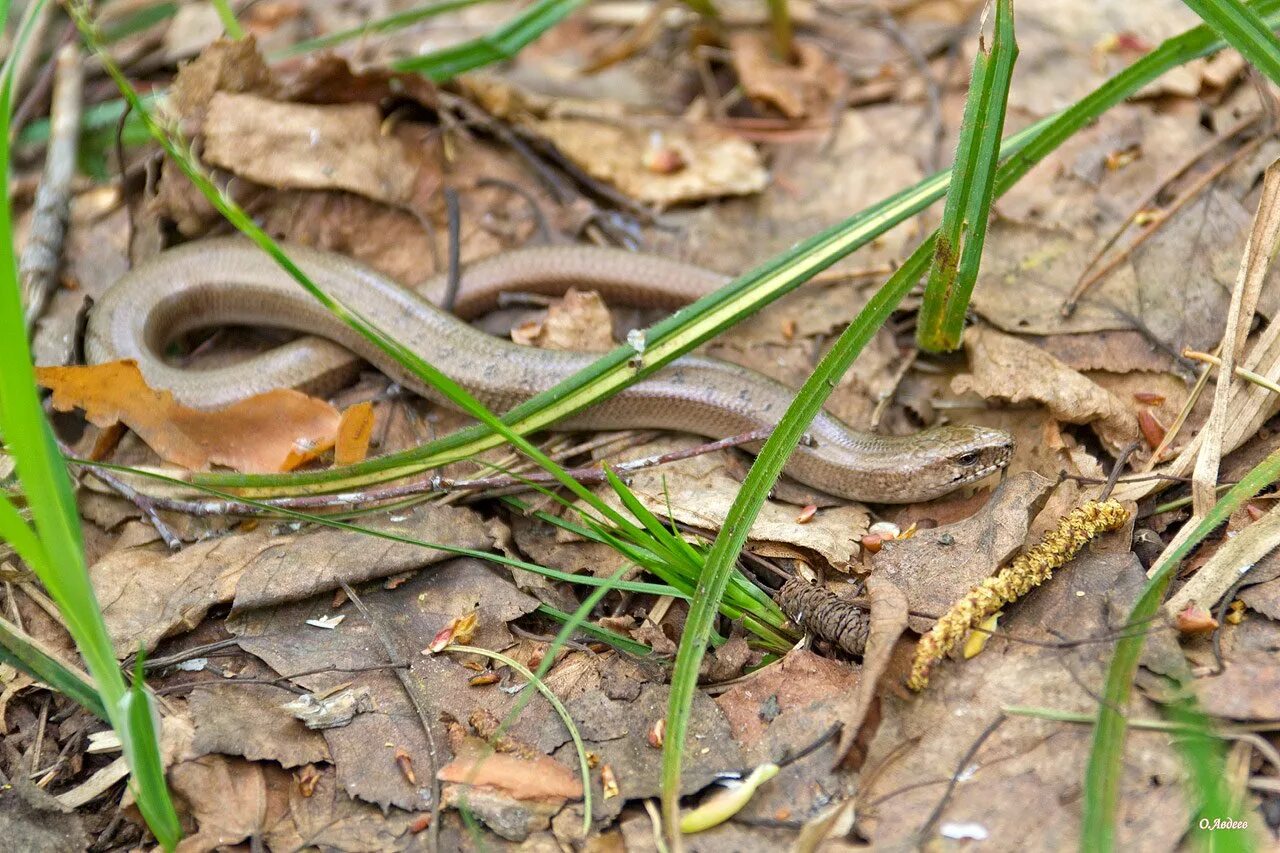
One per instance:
(1005,367)
(275,431)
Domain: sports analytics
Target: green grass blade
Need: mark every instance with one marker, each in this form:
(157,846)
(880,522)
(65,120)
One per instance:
(390,23)
(755,490)
(964,222)
(1244,30)
(58,556)
(1106,758)
(228,18)
(23,651)
(613,638)
(1202,753)
(138,741)
(498,46)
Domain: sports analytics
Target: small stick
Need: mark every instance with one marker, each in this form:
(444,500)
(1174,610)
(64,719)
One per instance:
(148,504)
(1244,373)
(454,271)
(40,257)
(414,488)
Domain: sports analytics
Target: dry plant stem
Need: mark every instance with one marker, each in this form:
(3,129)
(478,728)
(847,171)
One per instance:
(38,269)
(1228,564)
(1179,422)
(1087,279)
(965,762)
(1024,574)
(147,504)
(26,61)
(1244,303)
(414,488)
(421,704)
(1243,373)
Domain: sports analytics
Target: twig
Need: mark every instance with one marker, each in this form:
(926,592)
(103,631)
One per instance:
(421,704)
(454,268)
(539,218)
(149,505)
(1219,665)
(31,50)
(1243,373)
(415,488)
(1114,476)
(927,827)
(40,257)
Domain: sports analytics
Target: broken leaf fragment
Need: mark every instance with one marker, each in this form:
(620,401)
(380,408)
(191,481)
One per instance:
(332,711)
(460,631)
(726,803)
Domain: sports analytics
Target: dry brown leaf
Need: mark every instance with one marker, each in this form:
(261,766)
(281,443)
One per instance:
(1021,788)
(1248,689)
(149,593)
(935,567)
(716,163)
(1004,366)
(412,612)
(796,682)
(247,720)
(888,621)
(275,431)
(225,66)
(577,321)
(354,433)
(230,799)
(803,89)
(304,146)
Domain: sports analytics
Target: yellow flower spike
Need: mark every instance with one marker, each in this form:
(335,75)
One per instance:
(1024,574)
(726,803)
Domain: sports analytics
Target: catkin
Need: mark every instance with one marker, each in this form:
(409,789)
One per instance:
(1014,581)
(824,614)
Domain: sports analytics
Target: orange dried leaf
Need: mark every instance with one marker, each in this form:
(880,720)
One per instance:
(269,432)
(540,778)
(806,515)
(1195,620)
(354,433)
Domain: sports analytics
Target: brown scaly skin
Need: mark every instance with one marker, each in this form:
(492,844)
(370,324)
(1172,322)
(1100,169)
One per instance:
(229,281)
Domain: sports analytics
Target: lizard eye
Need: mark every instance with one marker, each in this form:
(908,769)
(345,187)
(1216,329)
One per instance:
(968,459)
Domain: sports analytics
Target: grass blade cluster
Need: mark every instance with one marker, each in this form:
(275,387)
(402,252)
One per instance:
(1242,28)
(51,544)
(498,46)
(963,232)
